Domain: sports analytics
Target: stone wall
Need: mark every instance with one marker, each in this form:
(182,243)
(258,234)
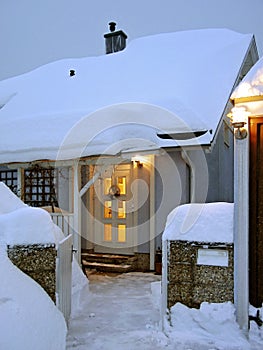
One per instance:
(142,262)
(38,262)
(192,283)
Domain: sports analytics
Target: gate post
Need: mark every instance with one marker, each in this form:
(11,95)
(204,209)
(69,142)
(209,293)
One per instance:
(241,195)
(64,276)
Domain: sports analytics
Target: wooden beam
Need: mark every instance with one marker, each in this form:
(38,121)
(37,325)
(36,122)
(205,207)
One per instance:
(248,99)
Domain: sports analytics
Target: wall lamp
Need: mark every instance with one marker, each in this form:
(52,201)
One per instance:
(138,160)
(139,163)
(238,118)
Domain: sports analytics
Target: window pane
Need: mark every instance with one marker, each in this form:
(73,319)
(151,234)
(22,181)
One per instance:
(122,184)
(107,185)
(107,210)
(107,233)
(121,209)
(9,177)
(122,233)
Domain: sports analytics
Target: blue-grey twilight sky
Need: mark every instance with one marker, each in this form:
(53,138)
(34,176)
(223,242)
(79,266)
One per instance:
(35,32)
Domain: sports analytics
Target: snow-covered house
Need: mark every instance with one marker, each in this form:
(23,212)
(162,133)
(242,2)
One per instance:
(248,99)
(117,141)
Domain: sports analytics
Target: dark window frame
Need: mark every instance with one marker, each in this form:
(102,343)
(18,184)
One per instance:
(9,177)
(40,186)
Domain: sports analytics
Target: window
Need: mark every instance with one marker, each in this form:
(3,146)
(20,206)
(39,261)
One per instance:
(39,187)
(9,177)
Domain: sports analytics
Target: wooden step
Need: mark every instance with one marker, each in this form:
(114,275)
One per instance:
(108,262)
(108,258)
(107,267)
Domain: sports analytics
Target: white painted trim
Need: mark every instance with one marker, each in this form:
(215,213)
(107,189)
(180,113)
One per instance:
(134,213)
(20,187)
(77,213)
(89,184)
(164,286)
(152,213)
(95,177)
(241,199)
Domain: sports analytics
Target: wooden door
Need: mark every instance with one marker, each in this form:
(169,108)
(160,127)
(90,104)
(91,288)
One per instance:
(256,212)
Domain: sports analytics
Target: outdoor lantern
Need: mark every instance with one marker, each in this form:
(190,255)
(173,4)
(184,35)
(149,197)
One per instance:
(138,160)
(238,118)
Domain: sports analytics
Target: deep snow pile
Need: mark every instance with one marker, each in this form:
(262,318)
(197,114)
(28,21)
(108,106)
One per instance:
(201,222)
(28,317)
(21,224)
(212,326)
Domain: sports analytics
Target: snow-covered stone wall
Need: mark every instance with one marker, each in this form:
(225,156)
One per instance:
(38,261)
(198,258)
(192,280)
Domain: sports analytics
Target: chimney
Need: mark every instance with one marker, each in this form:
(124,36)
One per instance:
(115,40)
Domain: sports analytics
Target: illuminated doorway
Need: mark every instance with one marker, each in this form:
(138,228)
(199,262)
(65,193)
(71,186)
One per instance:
(113,211)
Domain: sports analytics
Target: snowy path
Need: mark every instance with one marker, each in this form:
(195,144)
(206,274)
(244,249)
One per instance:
(120,315)
(122,312)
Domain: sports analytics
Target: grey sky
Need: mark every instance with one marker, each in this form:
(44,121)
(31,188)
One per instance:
(35,32)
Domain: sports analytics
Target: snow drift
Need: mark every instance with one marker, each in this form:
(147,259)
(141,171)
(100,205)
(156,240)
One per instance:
(201,222)
(28,317)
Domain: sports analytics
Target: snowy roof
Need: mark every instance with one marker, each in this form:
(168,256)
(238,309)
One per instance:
(201,222)
(163,84)
(252,84)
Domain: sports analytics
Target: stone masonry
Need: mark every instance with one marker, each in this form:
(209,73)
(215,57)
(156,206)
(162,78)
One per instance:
(190,283)
(38,262)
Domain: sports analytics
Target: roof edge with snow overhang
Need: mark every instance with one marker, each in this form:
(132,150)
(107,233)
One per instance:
(119,102)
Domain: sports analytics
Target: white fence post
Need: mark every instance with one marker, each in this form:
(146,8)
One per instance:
(64,221)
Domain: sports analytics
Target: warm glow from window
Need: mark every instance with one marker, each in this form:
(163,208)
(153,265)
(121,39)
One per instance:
(122,184)
(121,233)
(107,210)
(107,233)
(121,209)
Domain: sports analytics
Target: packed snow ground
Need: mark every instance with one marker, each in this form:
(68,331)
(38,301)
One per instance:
(122,312)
